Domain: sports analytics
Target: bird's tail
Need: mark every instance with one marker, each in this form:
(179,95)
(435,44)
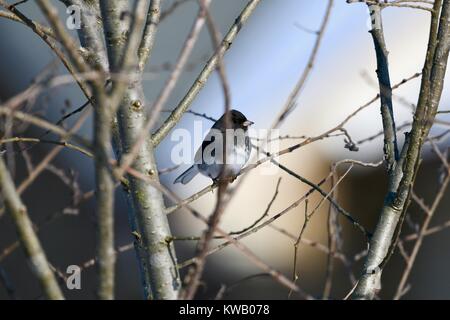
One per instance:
(188,175)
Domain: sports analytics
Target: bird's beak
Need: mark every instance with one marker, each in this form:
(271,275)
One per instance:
(247,123)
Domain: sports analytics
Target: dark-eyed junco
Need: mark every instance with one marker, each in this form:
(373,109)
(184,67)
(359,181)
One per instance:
(209,158)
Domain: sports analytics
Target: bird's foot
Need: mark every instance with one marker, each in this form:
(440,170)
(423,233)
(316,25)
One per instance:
(228,179)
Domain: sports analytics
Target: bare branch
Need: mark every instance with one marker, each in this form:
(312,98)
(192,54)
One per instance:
(210,66)
(290,102)
(191,39)
(148,38)
(30,241)
(394,209)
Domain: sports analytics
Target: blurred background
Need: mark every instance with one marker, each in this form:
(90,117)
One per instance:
(263,65)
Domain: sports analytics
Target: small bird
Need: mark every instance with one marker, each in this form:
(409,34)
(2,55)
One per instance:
(209,157)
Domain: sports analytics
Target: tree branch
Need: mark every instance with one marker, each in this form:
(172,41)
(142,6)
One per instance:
(396,204)
(210,66)
(159,264)
(148,38)
(387,113)
(27,236)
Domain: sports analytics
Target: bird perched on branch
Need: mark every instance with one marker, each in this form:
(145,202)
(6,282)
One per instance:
(231,130)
